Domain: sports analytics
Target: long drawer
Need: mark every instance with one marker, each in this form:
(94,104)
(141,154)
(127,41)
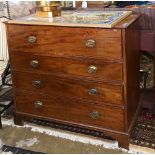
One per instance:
(72,111)
(52,85)
(50,40)
(92,68)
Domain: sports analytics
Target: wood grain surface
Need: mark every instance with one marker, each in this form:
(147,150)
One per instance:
(66,41)
(71,66)
(71,110)
(51,85)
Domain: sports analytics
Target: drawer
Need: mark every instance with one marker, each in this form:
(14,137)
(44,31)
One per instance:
(51,40)
(51,85)
(72,111)
(92,68)
(35,63)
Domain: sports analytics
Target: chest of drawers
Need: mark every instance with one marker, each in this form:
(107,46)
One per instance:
(80,76)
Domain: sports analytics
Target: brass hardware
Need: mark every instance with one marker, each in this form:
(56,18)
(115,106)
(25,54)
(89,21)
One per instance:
(92,69)
(46,8)
(94,115)
(48,11)
(36,83)
(32,39)
(38,104)
(92,91)
(90,43)
(34,63)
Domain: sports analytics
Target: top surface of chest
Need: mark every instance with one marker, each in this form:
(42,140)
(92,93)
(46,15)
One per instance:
(98,19)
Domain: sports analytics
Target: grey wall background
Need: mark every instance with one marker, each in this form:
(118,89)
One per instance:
(20,8)
(17,8)
(3,8)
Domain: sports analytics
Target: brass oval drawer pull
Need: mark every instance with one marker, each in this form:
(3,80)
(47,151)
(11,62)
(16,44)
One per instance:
(38,104)
(32,39)
(92,69)
(94,115)
(34,63)
(90,43)
(92,91)
(36,83)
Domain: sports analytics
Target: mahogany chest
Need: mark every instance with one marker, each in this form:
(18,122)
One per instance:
(80,76)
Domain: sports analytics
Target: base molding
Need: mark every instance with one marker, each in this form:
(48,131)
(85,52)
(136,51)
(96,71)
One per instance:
(121,137)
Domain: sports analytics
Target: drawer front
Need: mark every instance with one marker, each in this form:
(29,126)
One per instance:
(51,85)
(92,68)
(72,111)
(47,40)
